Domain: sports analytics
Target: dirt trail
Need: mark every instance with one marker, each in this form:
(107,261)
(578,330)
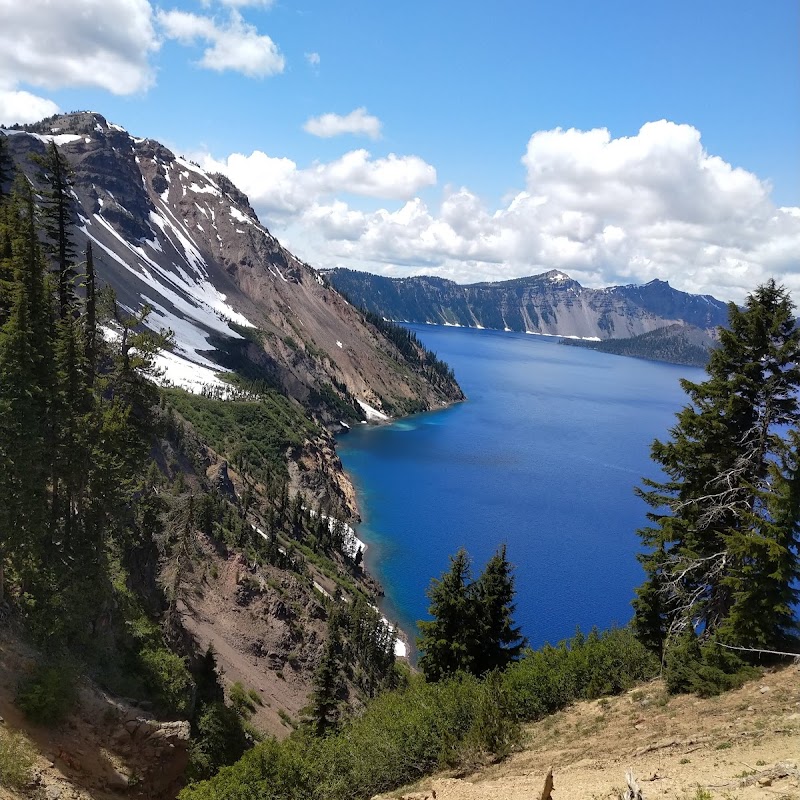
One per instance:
(740,746)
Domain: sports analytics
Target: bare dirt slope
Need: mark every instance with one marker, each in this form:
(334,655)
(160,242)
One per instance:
(740,746)
(105,749)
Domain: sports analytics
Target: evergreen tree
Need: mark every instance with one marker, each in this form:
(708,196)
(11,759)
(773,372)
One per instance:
(448,642)
(25,363)
(724,516)
(6,166)
(58,217)
(328,683)
(765,589)
(73,443)
(90,347)
(499,640)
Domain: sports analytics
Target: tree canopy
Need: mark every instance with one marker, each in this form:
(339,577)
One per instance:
(722,556)
(472,628)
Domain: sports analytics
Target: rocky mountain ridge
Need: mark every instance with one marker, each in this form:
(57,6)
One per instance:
(188,244)
(551,303)
(244,548)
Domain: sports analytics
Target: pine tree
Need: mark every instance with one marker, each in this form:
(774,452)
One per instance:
(448,642)
(499,641)
(328,682)
(6,166)
(58,218)
(25,392)
(90,347)
(725,508)
(764,589)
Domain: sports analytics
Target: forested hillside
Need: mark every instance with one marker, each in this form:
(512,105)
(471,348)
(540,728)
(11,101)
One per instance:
(675,344)
(187,552)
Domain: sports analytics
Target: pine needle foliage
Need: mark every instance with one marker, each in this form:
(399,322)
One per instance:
(723,553)
(472,629)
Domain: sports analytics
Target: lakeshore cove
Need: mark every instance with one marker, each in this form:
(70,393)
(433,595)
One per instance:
(543,456)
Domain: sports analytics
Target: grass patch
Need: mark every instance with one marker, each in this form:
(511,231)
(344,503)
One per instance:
(17,757)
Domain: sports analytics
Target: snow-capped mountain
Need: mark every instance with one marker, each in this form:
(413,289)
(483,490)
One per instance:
(188,244)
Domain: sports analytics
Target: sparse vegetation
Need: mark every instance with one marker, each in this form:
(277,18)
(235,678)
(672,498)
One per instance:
(48,694)
(409,732)
(254,433)
(17,757)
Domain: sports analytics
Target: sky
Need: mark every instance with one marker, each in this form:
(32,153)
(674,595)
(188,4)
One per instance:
(618,142)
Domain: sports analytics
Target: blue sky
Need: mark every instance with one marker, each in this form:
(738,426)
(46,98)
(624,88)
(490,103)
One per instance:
(475,102)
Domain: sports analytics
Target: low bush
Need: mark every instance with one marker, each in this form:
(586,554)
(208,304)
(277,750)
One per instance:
(401,736)
(412,731)
(706,670)
(581,668)
(167,679)
(242,700)
(48,694)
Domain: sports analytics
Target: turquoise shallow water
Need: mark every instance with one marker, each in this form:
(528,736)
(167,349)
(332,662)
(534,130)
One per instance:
(543,456)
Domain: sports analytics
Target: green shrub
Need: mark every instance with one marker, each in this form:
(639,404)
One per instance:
(421,727)
(48,694)
(242,700)
(166,677)
(17,758)
(255,697)
(582,668)
(219,739)
(402,735)
(706,670)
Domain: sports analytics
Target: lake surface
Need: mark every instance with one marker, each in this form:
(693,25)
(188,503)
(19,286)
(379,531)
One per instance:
(543,456)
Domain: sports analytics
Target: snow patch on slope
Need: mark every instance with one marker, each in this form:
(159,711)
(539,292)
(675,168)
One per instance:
(372,413)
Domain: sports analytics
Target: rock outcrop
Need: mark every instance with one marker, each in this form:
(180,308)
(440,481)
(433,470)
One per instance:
(167,234)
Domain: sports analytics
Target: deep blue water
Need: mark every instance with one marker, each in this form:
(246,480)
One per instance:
(543,456)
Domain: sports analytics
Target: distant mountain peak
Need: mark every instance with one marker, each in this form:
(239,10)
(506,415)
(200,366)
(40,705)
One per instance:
(551,303)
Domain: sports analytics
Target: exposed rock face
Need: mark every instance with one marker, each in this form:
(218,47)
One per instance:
(221,481)
(166,233)
(551,303)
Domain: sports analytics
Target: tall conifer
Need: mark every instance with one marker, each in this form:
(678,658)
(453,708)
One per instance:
(58,218)
(499,641)
(725,507)
(448,641)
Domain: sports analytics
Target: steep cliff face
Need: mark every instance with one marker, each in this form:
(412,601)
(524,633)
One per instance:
(258,572)
(187,243)
(551,303)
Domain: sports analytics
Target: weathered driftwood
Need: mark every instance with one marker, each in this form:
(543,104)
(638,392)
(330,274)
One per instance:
(633,792)
(785,769)
(547,791)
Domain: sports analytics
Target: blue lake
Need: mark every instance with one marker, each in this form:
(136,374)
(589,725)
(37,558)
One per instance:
(543,456)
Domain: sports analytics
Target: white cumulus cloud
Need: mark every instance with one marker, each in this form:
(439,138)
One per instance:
(22,107)
(313,59)
(235,45)
(605,210)
(241,3)
(357,122)
(100,43)
(279,187)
